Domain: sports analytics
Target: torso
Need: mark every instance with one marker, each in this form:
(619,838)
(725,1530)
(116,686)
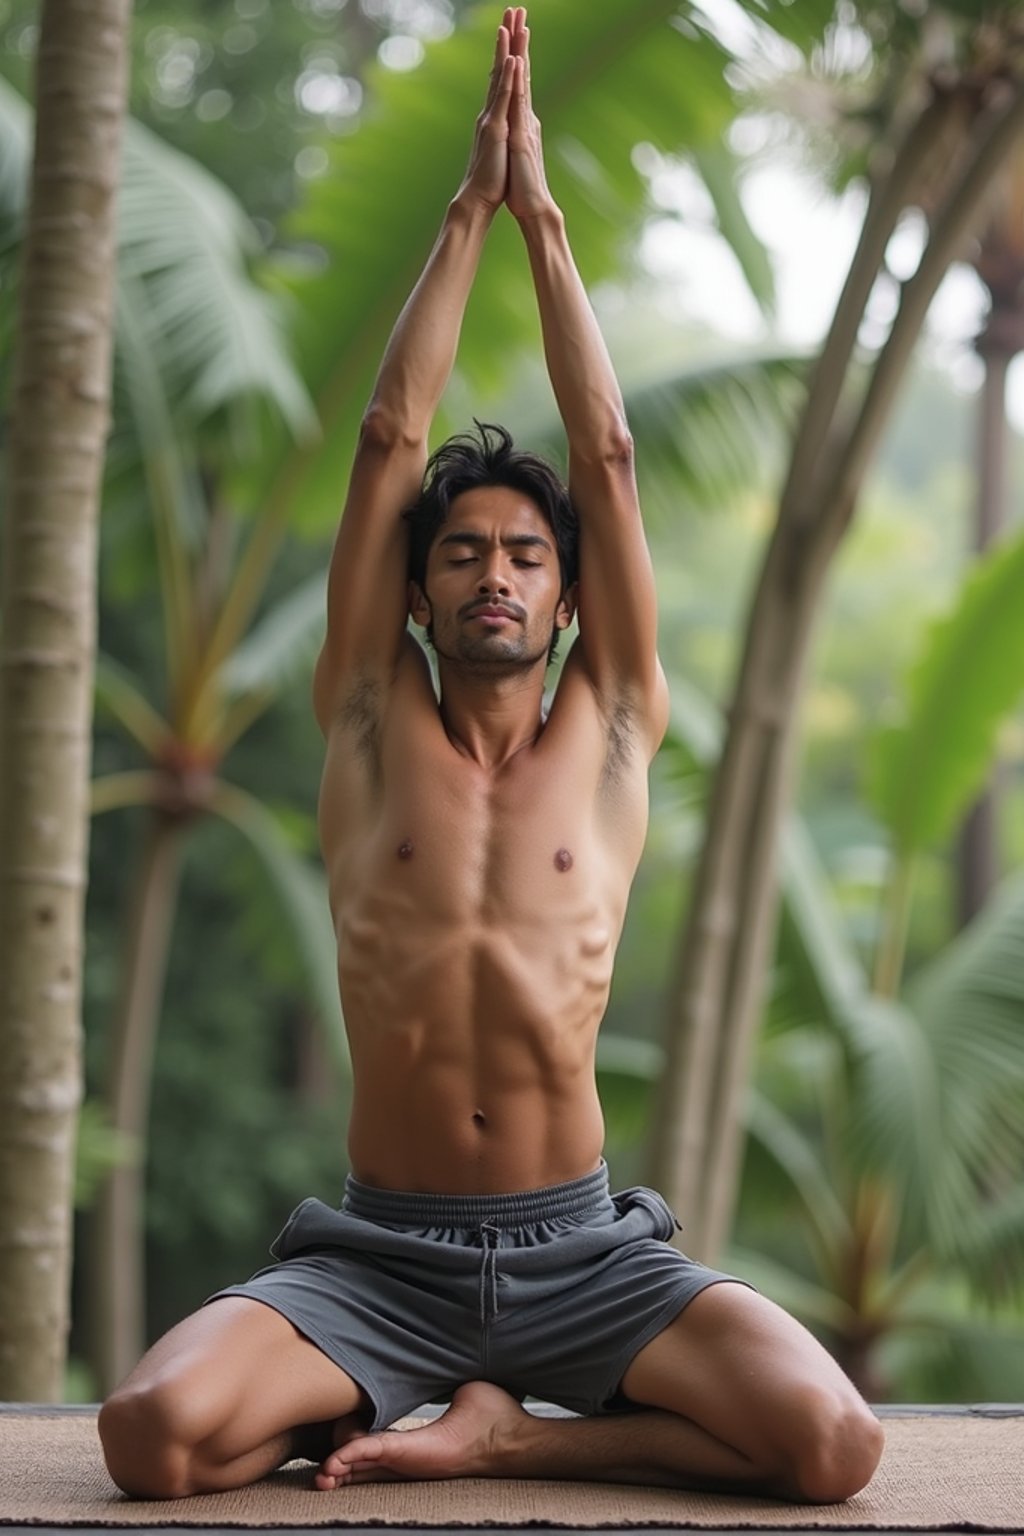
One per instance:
(477,914)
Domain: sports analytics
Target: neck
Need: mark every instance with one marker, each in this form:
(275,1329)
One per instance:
(488,718)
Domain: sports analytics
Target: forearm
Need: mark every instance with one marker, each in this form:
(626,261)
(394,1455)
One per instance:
(582,377)
(419,356)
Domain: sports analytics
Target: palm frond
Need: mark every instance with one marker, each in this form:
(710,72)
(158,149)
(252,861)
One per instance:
(972,1001)
(119,692)
(811,1303)
(303,892)
(220,338)
(599,92)
(966,679)
(282,645)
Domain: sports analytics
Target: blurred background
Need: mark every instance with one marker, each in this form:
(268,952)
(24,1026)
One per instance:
(286,169)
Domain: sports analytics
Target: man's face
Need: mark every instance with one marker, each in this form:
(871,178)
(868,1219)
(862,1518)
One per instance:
(493,586)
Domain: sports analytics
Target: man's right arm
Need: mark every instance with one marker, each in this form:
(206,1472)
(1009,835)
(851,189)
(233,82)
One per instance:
(367,586)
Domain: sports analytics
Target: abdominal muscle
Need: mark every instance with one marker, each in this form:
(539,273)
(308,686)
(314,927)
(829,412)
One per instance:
(473,1042)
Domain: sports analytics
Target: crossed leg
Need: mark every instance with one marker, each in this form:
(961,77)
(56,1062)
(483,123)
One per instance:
(737,1396)
(221,1400)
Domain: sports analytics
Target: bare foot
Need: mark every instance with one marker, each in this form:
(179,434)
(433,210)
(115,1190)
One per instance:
(463,1442)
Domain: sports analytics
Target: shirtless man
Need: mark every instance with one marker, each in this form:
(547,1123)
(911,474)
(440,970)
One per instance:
(479,859)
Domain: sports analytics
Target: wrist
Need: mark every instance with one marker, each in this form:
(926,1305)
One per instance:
(544,223)
(468,207)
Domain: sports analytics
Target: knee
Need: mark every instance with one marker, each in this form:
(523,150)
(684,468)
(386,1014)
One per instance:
(836,1448)
(149,1436)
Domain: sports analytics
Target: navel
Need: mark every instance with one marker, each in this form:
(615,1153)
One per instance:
(405,850)
(479,1119)
(563,860)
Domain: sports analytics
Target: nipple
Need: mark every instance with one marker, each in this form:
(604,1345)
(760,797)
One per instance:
(563,860)
(405,850)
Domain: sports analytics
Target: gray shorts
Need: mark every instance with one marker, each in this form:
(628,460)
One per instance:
(549,1294)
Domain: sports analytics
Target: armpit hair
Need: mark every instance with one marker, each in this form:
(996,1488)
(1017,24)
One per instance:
(360,715)
(622,740)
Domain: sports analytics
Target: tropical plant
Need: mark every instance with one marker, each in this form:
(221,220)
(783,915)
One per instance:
(998,259)
(881,1197)
(944,155)
(56,442)
(206,385)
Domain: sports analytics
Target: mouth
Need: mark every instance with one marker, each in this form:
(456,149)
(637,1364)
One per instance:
(493,613)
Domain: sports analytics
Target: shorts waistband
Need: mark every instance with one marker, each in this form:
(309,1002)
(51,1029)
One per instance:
(520,1209)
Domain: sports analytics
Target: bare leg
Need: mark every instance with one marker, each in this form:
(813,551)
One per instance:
(223,1399)
(485,1433)
(738,1395)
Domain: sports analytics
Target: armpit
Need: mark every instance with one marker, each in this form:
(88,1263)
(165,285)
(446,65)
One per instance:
(360,715)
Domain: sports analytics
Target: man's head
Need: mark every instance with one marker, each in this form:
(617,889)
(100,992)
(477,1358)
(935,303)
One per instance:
(530,504)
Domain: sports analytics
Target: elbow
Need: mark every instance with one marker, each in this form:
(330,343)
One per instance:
(386,430)
(611,446)
(618,448)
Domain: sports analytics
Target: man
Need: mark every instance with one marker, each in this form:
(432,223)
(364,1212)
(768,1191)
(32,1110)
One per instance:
(479,859)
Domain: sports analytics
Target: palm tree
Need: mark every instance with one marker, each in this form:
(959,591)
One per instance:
(881,1198)
(999,261)
(957,142)
(55,464)
(199,352)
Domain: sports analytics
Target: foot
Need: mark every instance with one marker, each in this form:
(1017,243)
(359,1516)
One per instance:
(465,1441)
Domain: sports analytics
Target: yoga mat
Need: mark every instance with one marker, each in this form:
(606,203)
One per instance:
(941,1471)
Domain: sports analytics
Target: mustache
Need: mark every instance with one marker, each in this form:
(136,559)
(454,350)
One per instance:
(468,610)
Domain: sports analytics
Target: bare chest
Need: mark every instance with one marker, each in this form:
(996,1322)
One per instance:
(497,847)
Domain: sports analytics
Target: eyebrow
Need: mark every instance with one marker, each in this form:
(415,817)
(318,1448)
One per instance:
(514,540)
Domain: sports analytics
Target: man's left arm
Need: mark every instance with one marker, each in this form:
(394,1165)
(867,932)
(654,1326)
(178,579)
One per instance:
(617,599)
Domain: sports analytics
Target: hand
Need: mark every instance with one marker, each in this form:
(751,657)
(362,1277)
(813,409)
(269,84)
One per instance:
(528,193)
(486,177)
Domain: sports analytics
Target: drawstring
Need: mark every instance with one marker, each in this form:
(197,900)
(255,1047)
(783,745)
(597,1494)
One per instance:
(489,1269)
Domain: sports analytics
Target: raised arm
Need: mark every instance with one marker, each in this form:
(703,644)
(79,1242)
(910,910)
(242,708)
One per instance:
(617,602)
(366,594)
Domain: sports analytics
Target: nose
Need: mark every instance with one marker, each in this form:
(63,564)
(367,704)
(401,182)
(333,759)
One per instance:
(493,580)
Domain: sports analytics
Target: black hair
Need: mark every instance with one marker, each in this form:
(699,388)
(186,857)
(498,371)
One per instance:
(489,457)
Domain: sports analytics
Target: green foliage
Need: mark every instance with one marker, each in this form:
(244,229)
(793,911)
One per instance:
(599,89)
(302,890)
(968,676)
(100,1148)
(972,997)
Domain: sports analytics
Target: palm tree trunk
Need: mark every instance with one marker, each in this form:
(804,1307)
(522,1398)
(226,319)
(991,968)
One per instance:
(117,1242)
(59,424)
(978,863)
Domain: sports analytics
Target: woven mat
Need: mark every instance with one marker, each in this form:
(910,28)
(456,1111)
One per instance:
(938,1473)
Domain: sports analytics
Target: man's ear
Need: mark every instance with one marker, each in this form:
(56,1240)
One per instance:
(419,608)
(566,610)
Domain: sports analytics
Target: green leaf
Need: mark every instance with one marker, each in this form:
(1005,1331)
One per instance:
(219,338)
(120,693)
(281,647)
(706,421)
(303,892)
(600,88)
(972,998)
(970,673)
(800,1296)
(797,1156)
(719,171)
(15,152)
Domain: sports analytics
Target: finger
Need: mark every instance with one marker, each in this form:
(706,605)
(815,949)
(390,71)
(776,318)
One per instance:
(503,92)
(501,53)
(526,69)
(517,107)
